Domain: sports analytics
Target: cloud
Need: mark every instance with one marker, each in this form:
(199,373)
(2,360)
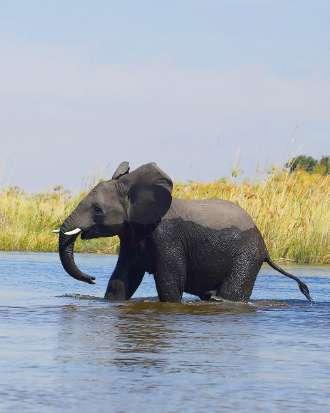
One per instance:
(59,73)
(192,120)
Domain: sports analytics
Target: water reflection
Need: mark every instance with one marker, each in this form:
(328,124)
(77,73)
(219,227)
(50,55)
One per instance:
(109,335)
(141,333)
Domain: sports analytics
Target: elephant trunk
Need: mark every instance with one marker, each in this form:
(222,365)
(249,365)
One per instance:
(66,245)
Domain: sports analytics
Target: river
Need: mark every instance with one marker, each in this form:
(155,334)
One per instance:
(64,349)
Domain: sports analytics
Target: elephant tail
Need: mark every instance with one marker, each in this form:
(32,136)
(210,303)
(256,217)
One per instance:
(302,286)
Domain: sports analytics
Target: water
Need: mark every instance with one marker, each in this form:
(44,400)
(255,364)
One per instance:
(63,348)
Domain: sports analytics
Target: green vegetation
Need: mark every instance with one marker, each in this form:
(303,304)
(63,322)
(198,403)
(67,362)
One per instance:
(309,164)
(292,210)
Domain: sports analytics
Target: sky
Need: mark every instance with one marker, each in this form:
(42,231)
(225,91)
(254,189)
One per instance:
(199,87)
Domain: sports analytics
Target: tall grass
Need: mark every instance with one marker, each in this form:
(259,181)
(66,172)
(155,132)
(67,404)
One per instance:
(292,212)
(26,222)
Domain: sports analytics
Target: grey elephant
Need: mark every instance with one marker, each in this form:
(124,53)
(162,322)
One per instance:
(208,248)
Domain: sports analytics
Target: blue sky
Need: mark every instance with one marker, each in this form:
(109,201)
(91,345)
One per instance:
(197,86)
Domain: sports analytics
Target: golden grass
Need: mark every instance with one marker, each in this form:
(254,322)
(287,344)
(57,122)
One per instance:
(292,212)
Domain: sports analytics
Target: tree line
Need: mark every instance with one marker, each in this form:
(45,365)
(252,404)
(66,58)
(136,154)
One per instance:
(309,164)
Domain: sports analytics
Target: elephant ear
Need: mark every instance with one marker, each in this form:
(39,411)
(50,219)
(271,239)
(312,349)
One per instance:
(121,170)
(149,194)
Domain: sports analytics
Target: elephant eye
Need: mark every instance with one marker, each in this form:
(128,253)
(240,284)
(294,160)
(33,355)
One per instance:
(98,210)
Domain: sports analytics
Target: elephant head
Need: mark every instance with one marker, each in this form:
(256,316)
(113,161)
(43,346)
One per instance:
(139,198)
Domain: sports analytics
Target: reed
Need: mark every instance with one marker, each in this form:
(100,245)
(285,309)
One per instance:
(292,212)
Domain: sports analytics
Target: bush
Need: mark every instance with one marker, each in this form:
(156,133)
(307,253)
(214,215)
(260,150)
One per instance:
(309,164)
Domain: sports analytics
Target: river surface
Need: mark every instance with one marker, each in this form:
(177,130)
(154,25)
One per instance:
(64,349)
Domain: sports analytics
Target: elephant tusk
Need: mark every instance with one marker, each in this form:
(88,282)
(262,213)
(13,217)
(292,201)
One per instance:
(56,231)
(73,232)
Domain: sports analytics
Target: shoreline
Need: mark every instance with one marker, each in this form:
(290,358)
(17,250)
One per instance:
(283,261)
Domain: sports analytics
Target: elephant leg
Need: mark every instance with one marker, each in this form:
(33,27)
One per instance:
(170,284)
(239,284)
(170,274)
(208,295)
(122,286)
(126,277)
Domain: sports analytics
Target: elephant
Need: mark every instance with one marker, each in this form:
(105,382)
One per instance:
(207,248)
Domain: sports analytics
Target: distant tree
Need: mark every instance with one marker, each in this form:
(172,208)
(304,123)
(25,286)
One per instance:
(324,163)
(309,164)
(306,163)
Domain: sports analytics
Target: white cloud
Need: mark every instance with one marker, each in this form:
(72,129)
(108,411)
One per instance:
(191,120)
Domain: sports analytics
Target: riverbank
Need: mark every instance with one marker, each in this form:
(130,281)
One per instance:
(292,212)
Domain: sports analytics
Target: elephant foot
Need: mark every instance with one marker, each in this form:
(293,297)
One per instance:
(216,298)
(210,295)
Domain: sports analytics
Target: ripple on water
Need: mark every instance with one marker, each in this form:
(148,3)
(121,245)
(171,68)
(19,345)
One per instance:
(78,352)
